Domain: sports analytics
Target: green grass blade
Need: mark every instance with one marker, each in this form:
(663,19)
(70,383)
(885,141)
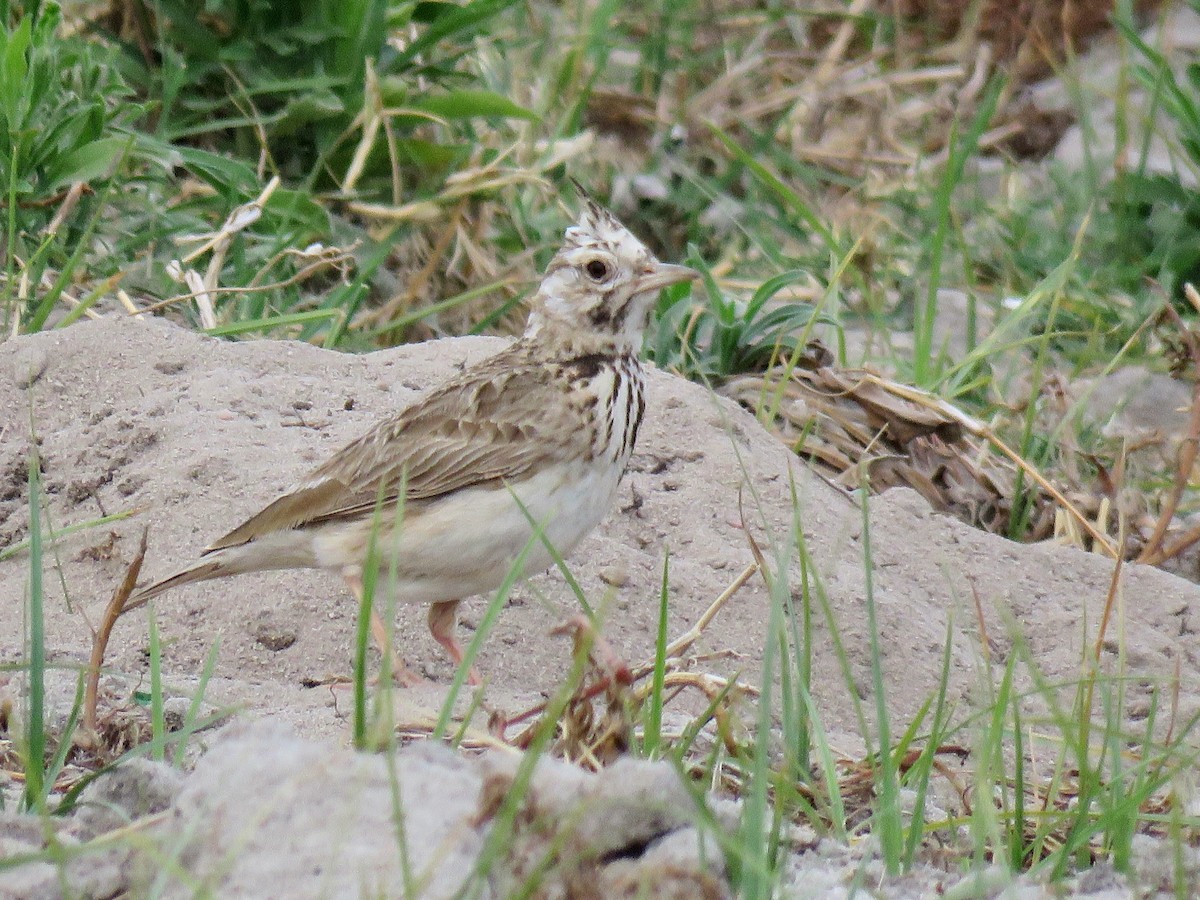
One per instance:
(503,823)
(193,713)
(652,730)
(922,770)
(924,372)
(887,815)
(158,722)
(457,19)
(65,740)
(786,197)
(269,322)
(51,535)
(490,615)
(754,878)
(35,719)
(362,632)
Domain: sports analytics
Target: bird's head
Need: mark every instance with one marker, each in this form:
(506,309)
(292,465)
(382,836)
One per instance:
(603,282)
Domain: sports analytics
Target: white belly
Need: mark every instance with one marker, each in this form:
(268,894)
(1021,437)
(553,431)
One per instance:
(468,542)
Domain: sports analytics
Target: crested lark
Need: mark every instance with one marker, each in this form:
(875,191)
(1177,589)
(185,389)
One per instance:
(552,419)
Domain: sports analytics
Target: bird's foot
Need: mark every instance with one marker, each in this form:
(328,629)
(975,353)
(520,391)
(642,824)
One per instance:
(443,619)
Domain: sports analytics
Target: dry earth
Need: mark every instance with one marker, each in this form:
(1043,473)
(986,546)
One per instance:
(191,434)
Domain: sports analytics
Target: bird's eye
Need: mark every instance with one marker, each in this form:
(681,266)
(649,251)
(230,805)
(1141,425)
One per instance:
(597,270)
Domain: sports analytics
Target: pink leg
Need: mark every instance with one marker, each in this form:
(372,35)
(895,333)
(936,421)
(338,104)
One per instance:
(443,620)
(402,674)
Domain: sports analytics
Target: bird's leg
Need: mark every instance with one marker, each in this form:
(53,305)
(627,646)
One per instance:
(403,675)
(443,620)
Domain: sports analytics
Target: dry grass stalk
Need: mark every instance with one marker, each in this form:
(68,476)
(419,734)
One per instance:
(593,735)
(100,636)
(315,260)
(845,418)
(417,282)
(1157,550)
(678,647)
(217,243)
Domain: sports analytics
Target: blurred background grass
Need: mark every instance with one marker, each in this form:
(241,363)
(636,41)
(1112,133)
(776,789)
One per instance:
(879,175)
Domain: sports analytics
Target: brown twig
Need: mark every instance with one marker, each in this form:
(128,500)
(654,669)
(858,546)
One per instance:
(303,274)
(616,671)
(388,310)
(1154,553)
(682,643)
(112,612)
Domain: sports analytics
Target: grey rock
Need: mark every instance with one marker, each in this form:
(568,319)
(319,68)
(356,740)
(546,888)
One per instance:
(632,802)
(27,364)
(1094,141)
(136,788)
(1135,402)
(266,814)
(88,875)
(1102,879)
(1154,864)
(21,836)
(632,830)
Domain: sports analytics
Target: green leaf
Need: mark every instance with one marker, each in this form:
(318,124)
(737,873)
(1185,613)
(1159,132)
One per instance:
(770,288)
(1149,189)
(223,174)
(297,211)
(443,25)
(49,17)
(88,162)
(362,32)
(304,109)
(15,68)
(431,157)
(467,104)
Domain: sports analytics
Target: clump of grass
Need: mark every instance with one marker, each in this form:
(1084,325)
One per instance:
(65,124)
(1044,795)
(98,731)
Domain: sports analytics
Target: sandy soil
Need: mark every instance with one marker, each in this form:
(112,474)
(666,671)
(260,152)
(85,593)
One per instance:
(192,434)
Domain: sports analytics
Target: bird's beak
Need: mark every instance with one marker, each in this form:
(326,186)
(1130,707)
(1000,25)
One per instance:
(664,275)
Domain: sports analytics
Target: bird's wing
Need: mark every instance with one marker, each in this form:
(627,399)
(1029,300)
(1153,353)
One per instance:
(492,423)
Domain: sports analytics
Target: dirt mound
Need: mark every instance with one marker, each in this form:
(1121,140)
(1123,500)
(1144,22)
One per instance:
(188,435)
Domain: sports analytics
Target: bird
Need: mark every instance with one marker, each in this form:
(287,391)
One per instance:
(540,432)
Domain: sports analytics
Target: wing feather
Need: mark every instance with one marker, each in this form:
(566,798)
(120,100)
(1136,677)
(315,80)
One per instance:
(492,423)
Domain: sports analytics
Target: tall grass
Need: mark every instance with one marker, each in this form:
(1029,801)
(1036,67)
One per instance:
(35,712)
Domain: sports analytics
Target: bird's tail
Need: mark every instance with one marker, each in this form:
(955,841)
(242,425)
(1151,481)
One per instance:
(212,565)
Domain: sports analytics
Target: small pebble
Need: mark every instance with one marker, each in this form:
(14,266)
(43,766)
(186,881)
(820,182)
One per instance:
(273,635)
(28,365)
(170,366)
(615,574)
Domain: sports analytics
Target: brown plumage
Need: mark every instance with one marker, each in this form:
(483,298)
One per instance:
(552,419)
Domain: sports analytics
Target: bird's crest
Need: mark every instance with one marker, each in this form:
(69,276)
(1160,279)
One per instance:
(597,227)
